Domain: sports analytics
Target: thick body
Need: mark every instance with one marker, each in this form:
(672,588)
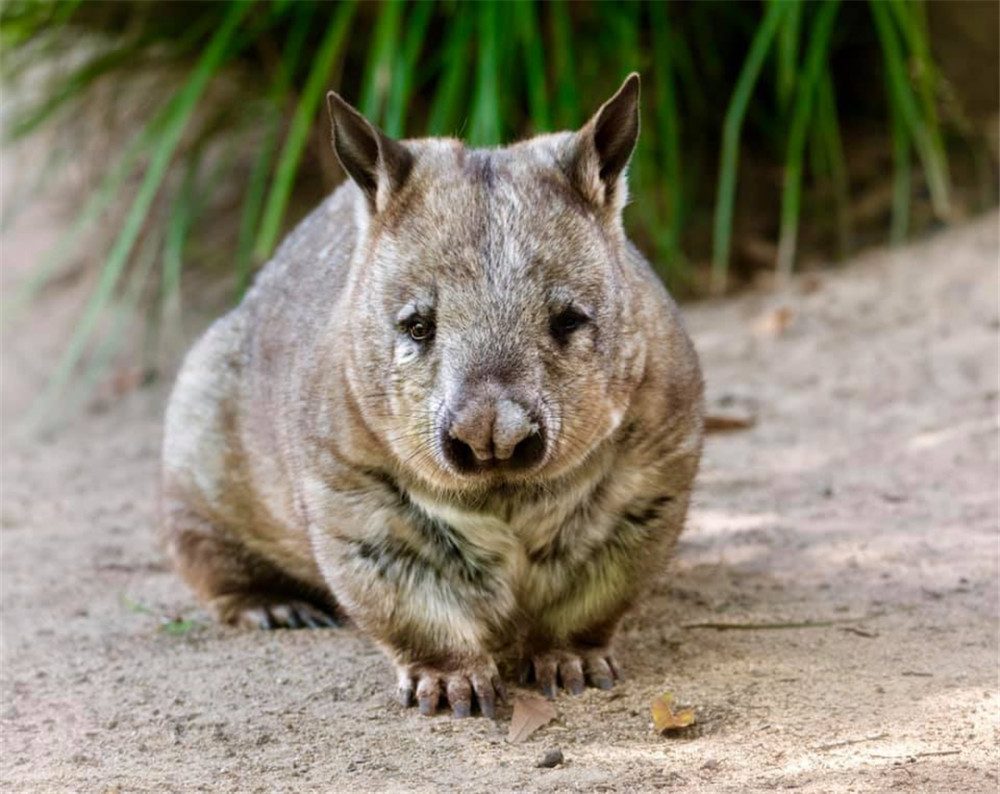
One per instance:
(286,483)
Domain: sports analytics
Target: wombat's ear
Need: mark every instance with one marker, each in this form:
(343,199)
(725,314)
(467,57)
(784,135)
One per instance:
(603,146)
(378,164)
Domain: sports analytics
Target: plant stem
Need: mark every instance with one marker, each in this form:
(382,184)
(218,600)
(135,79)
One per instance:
(729,163)
(819,40)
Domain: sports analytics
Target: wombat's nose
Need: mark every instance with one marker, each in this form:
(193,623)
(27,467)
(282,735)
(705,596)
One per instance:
(487,433)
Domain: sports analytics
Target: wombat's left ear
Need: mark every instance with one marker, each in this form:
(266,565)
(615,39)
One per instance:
(377,164)
(602,147)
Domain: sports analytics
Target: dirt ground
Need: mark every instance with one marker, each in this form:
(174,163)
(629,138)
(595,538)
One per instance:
(852,535)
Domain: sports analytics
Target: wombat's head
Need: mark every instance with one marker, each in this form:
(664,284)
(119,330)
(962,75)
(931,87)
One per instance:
(490,296)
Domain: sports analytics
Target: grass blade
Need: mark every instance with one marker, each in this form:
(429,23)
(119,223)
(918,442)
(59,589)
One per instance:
(253,203)
(404,67)
(815,59)
(567,97)
(729,163)
(902,178)
(911,21)
(164,321)
(667,123)
(106,63)
(788,54)
(71,87)
(256,191)
(834,147)
(484,129)
(902,98)
(122,248)
(454,76)
(383,47)
(534,66)
(298,134)
(118,334)
(181,215)
(109,189)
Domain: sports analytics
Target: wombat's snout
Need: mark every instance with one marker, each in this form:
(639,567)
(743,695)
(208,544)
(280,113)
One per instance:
(486,433)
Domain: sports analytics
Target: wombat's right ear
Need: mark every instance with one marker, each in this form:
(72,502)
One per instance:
(601,149)
(377,164)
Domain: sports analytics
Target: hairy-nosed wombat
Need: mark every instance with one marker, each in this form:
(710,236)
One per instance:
(457,408)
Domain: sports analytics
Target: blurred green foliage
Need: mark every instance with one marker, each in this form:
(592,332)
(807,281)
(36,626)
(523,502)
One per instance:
(715,76)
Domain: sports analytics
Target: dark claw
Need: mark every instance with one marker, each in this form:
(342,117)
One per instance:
(501,689)
(307,619)
(405,697)
(428,706)
(294,621)
(329,621)
(267,622)
(488,707)
(605,683)
(549,690)
(576,686)
(461,710)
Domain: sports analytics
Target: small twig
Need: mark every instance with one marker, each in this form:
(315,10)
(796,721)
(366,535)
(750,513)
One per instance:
(728,423)
(860,632)
(801,624)
(848,742)
(917,755)
(917,674)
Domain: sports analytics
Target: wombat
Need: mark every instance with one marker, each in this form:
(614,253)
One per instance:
(457,408)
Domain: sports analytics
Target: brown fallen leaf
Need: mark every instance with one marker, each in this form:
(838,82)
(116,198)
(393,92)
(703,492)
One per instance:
(667,718)
(530,714)
(775,322)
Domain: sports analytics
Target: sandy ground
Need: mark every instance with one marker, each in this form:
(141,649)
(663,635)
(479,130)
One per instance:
(863,505)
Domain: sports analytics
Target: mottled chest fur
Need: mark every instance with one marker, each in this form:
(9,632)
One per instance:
(535,561)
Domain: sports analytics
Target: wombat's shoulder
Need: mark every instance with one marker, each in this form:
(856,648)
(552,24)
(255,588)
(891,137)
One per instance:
(316,254)
(222,373)
(672,384)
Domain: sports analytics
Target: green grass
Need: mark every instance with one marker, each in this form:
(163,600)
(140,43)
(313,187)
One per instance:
(305,114)
(122,248)
(774,15)
(802,110)
(719,79)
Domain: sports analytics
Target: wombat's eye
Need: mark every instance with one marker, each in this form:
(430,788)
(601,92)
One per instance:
(563,323)
(419,328)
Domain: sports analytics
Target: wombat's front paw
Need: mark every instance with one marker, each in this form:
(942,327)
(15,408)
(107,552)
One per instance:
(572,669)
(456,687)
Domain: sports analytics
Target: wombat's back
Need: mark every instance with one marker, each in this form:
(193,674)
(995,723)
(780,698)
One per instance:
(226,486)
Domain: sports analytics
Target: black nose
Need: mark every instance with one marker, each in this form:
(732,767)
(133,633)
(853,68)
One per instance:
(527,453)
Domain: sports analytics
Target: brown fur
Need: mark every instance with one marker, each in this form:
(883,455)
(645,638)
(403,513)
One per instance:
(305,458)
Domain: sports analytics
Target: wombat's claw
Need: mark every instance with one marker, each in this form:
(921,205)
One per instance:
(455,688)
(597,668)
(289,615)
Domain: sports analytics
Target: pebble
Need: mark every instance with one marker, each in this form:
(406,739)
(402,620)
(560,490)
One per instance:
(552,758)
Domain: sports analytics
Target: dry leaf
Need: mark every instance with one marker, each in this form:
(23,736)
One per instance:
(776,322)
(666,718)
(530,714)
